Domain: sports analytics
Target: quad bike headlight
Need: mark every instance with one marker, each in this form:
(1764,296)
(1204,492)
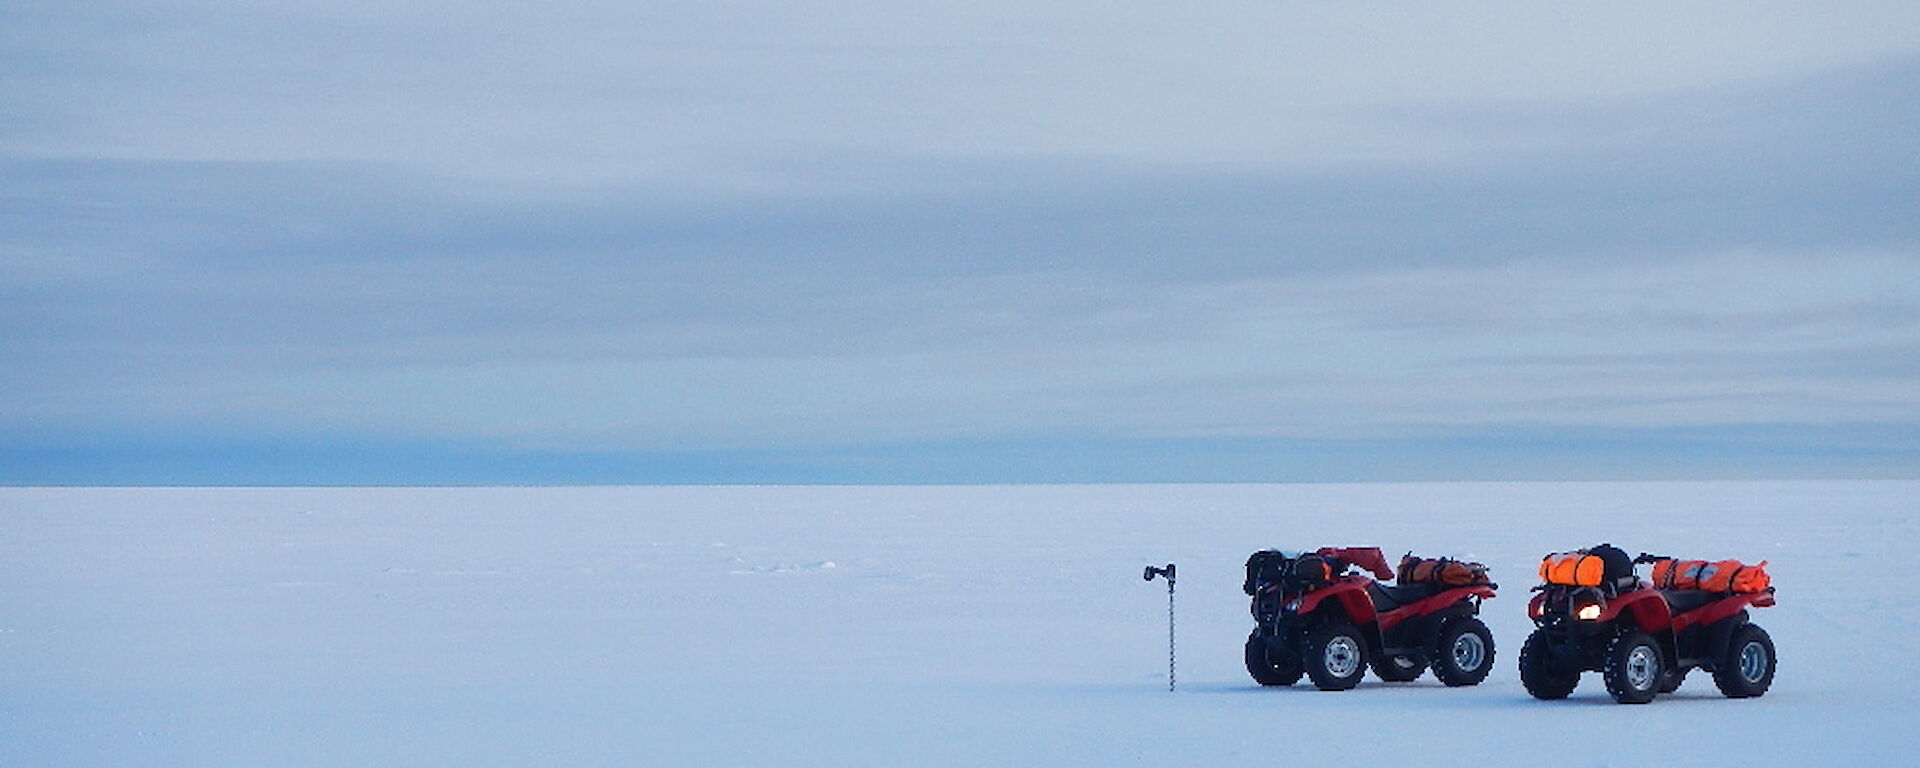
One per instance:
(1588,604)
(1293,605)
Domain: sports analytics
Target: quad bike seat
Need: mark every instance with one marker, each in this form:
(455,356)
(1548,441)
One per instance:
(1682,600)
(1386,598)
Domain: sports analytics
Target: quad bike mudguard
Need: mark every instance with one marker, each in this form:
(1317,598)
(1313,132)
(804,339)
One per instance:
(1424,606)
(1644,607)
(1722,608)
(1349,592)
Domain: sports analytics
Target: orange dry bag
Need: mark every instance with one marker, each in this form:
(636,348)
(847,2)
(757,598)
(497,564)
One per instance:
(1752,578)
(1446,571)
(1454,573)
(1573,569)
(1712,576)
(1666,572)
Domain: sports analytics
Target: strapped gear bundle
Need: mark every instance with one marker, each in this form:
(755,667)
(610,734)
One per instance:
(1445,570)
(1726,576)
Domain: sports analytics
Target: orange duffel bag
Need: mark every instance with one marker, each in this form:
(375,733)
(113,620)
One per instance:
(1711,575)
(1573,569)
(1446,571)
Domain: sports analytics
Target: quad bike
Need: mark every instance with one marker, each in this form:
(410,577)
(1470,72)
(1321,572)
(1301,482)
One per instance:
(1643,640)
(1315,618)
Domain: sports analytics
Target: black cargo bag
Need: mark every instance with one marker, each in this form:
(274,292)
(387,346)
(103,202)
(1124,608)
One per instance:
(1265,567)
(1616,565)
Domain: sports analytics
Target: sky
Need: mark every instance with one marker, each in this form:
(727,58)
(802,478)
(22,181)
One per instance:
(855,242)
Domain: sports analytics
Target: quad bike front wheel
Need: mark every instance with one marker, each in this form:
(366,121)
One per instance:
(1542,677)
(1398,669)
(1635,668)
(1746,668)
(1269,665)
(1335,656)
(1463,655)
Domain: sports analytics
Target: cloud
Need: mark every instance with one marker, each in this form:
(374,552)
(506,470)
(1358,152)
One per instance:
(799,234)
(589,90)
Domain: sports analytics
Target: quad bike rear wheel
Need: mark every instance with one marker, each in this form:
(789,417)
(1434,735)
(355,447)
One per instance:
(1398,669)
(1634,667)
(1269,665)
(1335,656)
(1542,677)
(1746,668)
(1463,655)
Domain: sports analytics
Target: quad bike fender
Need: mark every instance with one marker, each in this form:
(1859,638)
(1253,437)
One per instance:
(1719,634)
(1348,596)
(1643,608)
(1443,601)
(1417,630)
(1721,609)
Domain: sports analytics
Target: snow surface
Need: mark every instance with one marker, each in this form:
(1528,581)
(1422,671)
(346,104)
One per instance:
(977,626)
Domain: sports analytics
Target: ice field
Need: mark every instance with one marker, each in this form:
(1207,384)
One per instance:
(897,626)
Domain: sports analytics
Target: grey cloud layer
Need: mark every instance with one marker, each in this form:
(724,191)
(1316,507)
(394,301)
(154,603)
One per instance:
(716,258)
(612,90)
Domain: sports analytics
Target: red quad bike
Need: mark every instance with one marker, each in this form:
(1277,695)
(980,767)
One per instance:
(1642,640)
(1315,618)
